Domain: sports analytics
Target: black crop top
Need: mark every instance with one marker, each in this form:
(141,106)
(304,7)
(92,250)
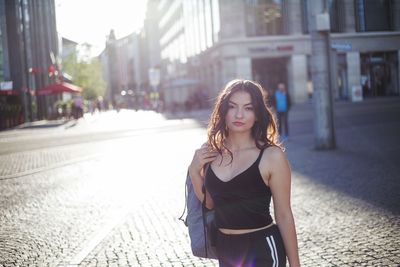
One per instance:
(242,202)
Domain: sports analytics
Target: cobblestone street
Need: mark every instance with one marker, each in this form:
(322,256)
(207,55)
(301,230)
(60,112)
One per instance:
(92,197)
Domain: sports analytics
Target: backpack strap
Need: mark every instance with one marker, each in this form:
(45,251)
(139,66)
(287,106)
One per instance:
(186,193)
(203,204)
(204,209)
(186,197)
(203,213)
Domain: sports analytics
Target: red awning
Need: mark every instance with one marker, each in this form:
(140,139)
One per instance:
(9,92)
(58,88)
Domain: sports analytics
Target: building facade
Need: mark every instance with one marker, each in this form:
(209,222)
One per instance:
(29,51)
(150,41)
(205,43)
(121,69)
(68,49)
(126,64)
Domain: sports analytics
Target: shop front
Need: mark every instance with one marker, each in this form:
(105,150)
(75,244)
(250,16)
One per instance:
(270,71)
(11,113)
(379,74)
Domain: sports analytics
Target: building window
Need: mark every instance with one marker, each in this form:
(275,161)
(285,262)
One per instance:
(304,15)
(215,20)
(336,15)
(264,17)
(1,60)
(201,24)
(374,15)
(208,23)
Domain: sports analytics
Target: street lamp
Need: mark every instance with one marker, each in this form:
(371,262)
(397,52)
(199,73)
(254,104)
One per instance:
(321,75)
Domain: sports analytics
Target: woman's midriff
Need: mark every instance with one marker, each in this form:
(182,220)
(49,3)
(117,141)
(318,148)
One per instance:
(242,231)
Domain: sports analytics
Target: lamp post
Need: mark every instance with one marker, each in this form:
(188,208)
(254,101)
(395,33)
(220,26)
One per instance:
(154,79)
(321,76)
(21,32)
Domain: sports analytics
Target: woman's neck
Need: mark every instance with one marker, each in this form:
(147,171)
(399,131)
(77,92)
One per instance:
(239,142)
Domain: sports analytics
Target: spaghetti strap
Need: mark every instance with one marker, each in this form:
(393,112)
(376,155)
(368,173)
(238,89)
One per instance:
(259,156)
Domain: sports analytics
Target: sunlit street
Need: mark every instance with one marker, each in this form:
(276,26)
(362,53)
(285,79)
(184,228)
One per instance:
(61,199)
(104,103)
(108,189)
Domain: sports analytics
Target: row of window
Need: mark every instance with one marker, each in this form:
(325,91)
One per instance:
(369,15)
(267,17)
(193,30)
(166,18)
(198,21)
(1,58)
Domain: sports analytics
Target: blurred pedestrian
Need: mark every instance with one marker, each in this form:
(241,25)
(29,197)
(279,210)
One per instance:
(282,104)
(92,106)
(77,107)
(99,104)
(247,167)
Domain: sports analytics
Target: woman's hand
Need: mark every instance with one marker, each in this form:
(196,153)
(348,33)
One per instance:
(201,156)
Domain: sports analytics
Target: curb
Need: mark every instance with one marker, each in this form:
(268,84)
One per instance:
(42,124)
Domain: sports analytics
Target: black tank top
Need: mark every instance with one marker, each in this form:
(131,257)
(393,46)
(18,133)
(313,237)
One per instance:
(242,202)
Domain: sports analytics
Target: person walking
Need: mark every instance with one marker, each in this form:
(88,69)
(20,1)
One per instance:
(77,107)
(282,104)
(247,167)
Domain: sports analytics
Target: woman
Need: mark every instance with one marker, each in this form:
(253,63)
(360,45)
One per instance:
(246,168)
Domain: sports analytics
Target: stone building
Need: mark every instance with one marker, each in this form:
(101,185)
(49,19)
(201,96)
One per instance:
(205,43)
(29,48)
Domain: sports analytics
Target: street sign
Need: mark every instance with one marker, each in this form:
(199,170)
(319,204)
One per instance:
(154,77)
(342,46)
(356,93)
(8,85)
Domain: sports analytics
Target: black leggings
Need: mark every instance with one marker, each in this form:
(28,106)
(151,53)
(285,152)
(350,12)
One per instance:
(263,248)
(283,125)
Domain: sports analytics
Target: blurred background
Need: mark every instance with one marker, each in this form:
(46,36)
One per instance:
(176,55)
(102,104)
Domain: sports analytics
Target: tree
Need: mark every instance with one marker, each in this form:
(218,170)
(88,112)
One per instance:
(85,73)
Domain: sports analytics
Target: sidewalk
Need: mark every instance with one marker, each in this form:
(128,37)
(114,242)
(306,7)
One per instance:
(345,201)
(43,124)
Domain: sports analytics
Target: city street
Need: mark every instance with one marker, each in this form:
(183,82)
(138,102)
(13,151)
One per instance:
(108,189)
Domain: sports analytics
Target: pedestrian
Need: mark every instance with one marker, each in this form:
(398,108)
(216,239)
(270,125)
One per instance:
(282,104)
(77,107)
(247,167)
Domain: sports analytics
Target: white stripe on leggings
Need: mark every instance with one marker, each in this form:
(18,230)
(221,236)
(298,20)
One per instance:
(274,254)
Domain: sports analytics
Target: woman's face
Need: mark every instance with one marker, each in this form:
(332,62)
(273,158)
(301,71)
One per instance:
(240,116)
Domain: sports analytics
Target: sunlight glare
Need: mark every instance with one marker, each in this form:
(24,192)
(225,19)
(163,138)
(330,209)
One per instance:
(91,21)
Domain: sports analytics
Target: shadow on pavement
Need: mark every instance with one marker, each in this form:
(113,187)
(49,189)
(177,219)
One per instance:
(364,164)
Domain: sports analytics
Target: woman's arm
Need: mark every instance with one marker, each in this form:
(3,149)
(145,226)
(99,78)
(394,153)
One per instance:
(200,158)
(280,184)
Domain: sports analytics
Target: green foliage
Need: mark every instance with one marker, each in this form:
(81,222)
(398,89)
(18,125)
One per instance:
(85,74)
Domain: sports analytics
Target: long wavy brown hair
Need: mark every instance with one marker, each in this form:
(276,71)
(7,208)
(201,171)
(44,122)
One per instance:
(264,131)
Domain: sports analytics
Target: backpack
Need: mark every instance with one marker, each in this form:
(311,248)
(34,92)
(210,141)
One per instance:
(200,222)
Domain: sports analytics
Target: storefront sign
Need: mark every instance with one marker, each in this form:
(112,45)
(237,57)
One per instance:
(342,46)
(284,48)
(271,48)
(260,49)
(6,85)
(356,93)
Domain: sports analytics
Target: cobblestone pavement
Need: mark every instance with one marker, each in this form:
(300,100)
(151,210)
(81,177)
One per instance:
(339,223)
(116,202)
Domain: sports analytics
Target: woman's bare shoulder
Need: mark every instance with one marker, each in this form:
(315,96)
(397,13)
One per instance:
(274,163)
(272,157)
(273,153)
